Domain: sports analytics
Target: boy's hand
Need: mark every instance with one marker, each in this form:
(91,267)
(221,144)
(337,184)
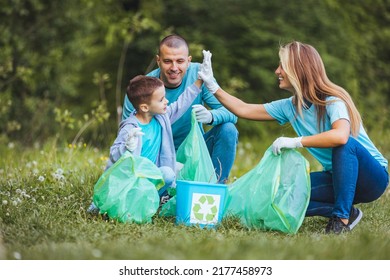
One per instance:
(132,140)
(206,72)
(202,114)
(286,142)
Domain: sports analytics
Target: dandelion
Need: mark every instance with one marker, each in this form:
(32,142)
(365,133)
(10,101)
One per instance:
(11,145)
(97,253)
(17,255)
(5,202)
(41,178)
(58,175)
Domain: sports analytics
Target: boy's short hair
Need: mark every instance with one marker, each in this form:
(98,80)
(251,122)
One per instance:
(141,88)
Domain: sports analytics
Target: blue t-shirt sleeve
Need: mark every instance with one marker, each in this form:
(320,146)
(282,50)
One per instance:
(336,110)
(280,110)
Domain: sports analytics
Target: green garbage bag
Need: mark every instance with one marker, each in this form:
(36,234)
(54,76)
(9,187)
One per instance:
(195,157)
(274,195)
(128,190)
(193,153)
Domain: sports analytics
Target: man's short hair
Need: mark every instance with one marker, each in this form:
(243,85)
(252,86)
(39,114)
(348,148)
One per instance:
(141,88)
(173,41)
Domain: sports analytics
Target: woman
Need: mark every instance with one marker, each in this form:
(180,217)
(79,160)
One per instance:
(327,122)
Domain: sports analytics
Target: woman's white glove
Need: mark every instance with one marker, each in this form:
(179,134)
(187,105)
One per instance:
(202,114)
(132,139)
(286,142)
(205,73)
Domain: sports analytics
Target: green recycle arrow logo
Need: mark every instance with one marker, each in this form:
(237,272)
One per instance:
(205,200)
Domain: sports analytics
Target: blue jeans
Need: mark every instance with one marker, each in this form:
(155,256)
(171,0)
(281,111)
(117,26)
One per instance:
(357,177)
(221,142)
(169,177)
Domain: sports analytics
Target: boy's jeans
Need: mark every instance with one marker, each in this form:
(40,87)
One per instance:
(357,177)
(169,179)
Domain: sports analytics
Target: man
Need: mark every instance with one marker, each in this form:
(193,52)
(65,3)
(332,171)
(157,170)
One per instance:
(177,73)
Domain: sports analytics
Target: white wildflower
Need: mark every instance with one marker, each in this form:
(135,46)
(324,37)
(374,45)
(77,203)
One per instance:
(5,202)
(41,178)
(17,255)
(97,253)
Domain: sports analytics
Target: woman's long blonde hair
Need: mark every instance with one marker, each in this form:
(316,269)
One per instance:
(306,73)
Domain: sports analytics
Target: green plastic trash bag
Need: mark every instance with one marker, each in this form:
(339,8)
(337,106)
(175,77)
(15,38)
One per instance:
(128,190)
(274,195)
(195,157)
(169,209)
(193,153)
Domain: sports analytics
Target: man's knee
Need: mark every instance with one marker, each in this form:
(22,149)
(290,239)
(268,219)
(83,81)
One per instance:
(227,132)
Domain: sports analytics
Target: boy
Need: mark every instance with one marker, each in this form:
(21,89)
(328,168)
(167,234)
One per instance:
(154,117)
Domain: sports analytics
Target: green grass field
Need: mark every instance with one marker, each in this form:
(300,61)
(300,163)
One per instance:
(45,191)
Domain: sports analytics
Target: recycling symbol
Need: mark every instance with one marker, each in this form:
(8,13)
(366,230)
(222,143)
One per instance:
(205,208)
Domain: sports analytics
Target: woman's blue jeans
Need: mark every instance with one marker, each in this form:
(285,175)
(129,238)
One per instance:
(357,177)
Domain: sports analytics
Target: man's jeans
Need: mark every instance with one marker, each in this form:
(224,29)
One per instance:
(357,177)
(221,142)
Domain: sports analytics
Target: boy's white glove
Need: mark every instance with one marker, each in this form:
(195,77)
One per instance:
(132,139)
(286,142)
(202,114)
(205,73)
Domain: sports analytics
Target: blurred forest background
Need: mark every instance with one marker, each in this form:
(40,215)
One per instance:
(64,65)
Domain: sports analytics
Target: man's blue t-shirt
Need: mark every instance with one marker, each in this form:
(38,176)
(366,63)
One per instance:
(182,127)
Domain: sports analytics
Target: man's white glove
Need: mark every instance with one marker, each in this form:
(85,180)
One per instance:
(286,142)
(202,114)
(205,73)
(132,139)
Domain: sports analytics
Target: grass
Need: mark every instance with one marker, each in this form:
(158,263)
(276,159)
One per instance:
(44,193)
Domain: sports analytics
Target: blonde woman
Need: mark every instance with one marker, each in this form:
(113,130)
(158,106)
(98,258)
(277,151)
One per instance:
(328,124)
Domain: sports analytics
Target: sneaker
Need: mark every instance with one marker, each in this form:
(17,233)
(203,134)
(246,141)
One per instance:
(354,217)
(336,226)
(92,209)
(164,199)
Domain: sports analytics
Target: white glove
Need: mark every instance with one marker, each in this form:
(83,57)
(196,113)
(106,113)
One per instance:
(202,114)
(132,139)
(206,73)
(286,142)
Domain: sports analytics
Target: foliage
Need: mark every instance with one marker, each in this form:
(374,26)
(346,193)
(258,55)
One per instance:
(73,55)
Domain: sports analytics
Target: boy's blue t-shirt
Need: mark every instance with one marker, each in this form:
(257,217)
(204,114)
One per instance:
(151,141)
(182,126)
(284,111)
